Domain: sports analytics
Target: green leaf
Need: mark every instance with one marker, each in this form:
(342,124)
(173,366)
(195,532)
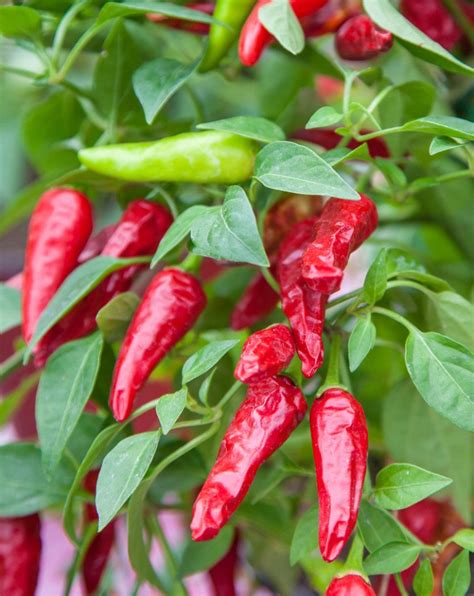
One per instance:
(230,232)
(204,388)
(170,407)
(424,581)
(464,538)
(378,527)
(122,471)
(252,127)
(178,231)
(80,282)
(400,485)
(385,15)
(19,21)
(375,282)
(361,341)
(391,558)
(205,358)
(457,577)
(305,537)
(394,175)
(443,125)
(452,315)
(442,144)
(323,117)
(114,318)
(279,19)
(336,157)
(112,10)
(199,556)
(443,372)
(407,101)
(290,167)
(10,299)
(64,388)
(157,81)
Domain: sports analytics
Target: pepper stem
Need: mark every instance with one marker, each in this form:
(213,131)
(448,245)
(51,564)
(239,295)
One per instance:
(354,560)
(191,263)
(332,375)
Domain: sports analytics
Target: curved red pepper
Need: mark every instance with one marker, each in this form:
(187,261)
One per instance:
(265,353)
(256,303)
(349,585)
(359,38)
(59,228)
(97,555)
(171,305)
(329,139)
(254,38)
(340,445)
(434,19)
(20,555)
(340,230)
(184,25)
(222,574)
(304,307)
(271,411)
(138,233)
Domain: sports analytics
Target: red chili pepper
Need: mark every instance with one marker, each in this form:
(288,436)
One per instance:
(265,354)
(340,230)
(171,305)
(349,585)
(139,231)
(183,25)
(59,228)
(97,555)
(304,307)
(433,18)
(222,574)
(256,303)
(271,411)
(330,17)
(329,139)
(20,555)
(254,38)
(95,245)
(340,444)
(359,38)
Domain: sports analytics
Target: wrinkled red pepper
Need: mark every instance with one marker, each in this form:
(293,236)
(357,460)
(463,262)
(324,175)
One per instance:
(271,411)
(59,228)
(349,585)
(20,555)
(184,25)
(222,574)
(340,445)
(304,307)
(265,353)
(254,38)
(257,302)
(329,139)
(340,230)
(138,233)
(434,19)
(359,38)
(171,305)
(97,555)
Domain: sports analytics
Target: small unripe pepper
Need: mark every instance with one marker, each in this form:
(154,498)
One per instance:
(341,228)
(340,445)
(265,353)
(271,411)
(20,555)
(200,157)
(59,228)
(171,305)
(359,38)
(182,24)
(349,585)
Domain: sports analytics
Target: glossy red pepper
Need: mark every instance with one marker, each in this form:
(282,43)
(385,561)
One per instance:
(329,139)
(341,228)
(330,17)
(271,411)
(20,554)
(222,574)
(304,307)
(95,244)
(265,353)
(184,25)
(138,233)
(340,445)
(171,305)
(59,228)
(256,303)
(97,555)
(254,38)
(349,585)
(434,19)
(359,38)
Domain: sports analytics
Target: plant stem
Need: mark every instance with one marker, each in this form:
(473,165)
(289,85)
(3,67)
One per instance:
(74,53)
(11,364)
(400,586)
(19,71)
(394,316)
(229,394)
(63,26)
(270,279)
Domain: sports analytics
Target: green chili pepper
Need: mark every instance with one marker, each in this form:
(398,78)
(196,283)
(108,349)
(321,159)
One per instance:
(199,157)
(232,13)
